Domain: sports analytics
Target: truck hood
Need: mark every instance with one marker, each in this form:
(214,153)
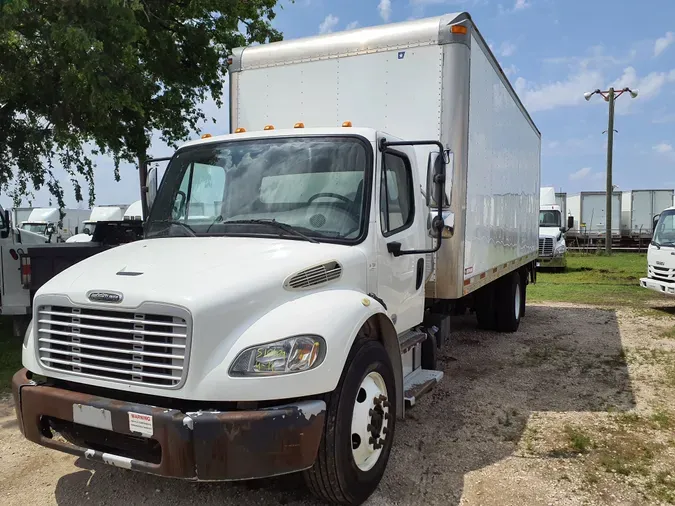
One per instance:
(549,232)
(202,272)
(664,257)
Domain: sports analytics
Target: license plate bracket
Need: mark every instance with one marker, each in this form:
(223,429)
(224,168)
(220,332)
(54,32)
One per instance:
(92,416)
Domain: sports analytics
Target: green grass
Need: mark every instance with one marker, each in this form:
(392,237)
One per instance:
(10,355)
(596,279)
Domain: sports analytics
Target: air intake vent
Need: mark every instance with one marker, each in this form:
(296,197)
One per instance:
(314,276)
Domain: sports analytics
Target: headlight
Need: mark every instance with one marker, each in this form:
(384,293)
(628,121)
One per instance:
(559,250)
(27,334)
(293,354)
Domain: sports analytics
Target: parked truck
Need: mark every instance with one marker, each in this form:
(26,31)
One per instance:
(50,223)
(552,247)
(638,208)
(588,216)
(661,254)
(98,213)
(297,275)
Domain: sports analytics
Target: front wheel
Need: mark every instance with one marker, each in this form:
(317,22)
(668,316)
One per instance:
(359,430)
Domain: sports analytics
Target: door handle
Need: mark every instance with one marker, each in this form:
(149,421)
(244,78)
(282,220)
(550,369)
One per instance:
(420,273)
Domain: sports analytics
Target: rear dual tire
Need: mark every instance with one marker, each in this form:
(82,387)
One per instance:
(501,304)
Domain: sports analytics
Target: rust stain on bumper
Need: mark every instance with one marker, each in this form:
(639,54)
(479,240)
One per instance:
(208,445)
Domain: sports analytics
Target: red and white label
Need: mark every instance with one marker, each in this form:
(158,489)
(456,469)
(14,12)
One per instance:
(138,422)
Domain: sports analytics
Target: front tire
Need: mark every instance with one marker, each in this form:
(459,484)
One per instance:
(359,430)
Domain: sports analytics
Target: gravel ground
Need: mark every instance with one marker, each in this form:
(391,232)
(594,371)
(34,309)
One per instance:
(523,419)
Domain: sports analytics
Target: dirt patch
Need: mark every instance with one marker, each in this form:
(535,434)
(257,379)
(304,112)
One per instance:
(576,408)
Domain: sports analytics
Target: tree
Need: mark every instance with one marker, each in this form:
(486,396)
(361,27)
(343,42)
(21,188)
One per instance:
(99,76)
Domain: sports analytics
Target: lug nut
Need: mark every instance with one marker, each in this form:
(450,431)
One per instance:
(372,441)
(386,404)
(377,400)
(385,431)
(370,428)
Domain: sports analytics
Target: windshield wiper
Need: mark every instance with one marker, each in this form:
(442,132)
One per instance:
(658,245)
(278,224)
(180,223)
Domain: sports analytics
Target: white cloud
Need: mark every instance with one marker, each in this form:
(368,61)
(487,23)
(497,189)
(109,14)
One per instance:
(352,25)
(563,93)
(511,70)
(663,148)
(328,24)
(649,85)
(580,174)
(662,43)
(384,7)
(521,4)
(507,49)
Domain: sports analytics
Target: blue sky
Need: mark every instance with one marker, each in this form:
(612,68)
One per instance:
(553,51)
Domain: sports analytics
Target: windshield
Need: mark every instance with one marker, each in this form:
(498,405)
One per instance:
(313,184)
(38,228)
(665,229)
(88,227)
(550,219)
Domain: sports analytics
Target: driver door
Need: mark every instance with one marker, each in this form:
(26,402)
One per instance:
(401,218)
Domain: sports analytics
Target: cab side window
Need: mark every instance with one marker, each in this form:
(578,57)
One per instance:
(397,204)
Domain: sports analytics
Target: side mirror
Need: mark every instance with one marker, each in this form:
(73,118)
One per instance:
(655,222)
(570,222)
(563,229)
(5,225)
(152,187)
(435,167)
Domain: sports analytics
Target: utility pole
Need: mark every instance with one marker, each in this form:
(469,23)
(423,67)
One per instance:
(610,96)
(610,189)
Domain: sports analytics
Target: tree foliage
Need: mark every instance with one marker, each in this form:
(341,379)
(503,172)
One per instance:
(99,76)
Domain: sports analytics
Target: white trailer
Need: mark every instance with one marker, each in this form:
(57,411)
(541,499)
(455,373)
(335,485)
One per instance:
(639,207)
(561,200)
(298,274)
(588,212)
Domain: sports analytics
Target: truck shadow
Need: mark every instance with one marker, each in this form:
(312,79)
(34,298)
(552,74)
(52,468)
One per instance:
(562,360)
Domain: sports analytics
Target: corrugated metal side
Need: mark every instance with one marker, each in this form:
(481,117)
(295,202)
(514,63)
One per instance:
(503,174)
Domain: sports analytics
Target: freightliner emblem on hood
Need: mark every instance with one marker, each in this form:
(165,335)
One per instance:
(111,297)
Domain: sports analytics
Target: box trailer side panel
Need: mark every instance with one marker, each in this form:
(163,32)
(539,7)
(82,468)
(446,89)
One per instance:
(502,224)
(593,205)
(663,199)
(573,205)
(626,208)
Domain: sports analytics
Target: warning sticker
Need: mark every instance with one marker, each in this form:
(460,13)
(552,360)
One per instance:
(140,423)
(468,271)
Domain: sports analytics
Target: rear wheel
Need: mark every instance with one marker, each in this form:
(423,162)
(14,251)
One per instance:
(359,429)
(509,299)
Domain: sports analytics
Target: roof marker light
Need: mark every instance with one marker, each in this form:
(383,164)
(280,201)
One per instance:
(299,125)
(458,29)
(347,124)
(269,127)
(206,136)
(240,130)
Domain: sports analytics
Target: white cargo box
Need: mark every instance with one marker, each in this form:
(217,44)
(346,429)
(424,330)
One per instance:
(429,79)
(588,210)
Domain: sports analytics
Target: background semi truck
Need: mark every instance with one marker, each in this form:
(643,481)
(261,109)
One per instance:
(297,276)
(48,222)
(98,213)
(661,255)
(552,228)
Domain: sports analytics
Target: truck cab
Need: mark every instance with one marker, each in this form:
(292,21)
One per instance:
(552,247)
(661,255)
(42,221)
(98,214)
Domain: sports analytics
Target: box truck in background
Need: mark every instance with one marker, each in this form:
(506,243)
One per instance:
(298,275)
(552,228)
(48,222)
(661,254)
(588,212)
(638,209)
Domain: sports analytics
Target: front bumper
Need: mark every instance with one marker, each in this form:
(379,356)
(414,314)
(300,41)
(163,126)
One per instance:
(658,286)
(208,445)
(552,262)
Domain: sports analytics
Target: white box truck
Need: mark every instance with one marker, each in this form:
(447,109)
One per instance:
(552,247)
(48,222)
(588,212)
(98,213)
(297,275)
(639,207)
(661,254)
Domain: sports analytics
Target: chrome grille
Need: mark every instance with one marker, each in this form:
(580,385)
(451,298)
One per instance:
(661,273)
(545,246)
(132,347)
